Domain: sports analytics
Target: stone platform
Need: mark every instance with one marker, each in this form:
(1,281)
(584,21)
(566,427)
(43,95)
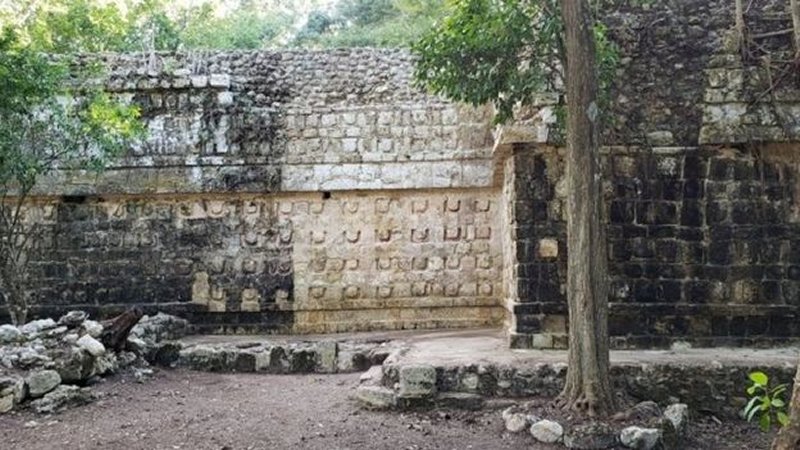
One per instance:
(468,367)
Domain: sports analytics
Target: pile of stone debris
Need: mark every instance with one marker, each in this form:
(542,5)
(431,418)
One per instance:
(49,363)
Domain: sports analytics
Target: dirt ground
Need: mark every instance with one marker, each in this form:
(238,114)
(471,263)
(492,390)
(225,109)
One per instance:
(190,410)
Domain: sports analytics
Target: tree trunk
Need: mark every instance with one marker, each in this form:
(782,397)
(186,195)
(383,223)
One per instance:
(741,36)
(789,436)
(588,386)
(794,6)
(116,331)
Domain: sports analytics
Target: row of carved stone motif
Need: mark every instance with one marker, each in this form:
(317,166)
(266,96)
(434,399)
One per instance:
(418,263)
(403,290)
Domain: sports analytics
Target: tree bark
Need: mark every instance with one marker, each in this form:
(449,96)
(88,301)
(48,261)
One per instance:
(588,385)
(794,7)
(116,330)
(789,436)
(741,37)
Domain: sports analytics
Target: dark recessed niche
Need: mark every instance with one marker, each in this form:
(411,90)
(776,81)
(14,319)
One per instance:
(326,195)
(74,199)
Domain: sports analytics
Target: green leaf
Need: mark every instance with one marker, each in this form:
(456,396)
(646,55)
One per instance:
(759,378)
(783,419)
(752,389)
(752,412)
(778,403)
(764,423)
(751,406)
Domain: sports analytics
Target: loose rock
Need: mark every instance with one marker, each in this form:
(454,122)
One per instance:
(73,319)
(91,345)
(547,431)
(640,438)
(9,334)
(592,436)
(42,382)
(375,397)
(516,422)
(678,414)
(61,398)
(30,329)
(93,329)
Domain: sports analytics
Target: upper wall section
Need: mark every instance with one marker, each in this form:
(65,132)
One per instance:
(300,120)
(681,80)
(288,121)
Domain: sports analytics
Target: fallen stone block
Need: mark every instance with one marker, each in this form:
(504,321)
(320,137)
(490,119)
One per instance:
(376,397)
(591,436)
(547,431)
(417,381)
(41,382)
(91,345)
(61,398)
(640,438)
(10,334)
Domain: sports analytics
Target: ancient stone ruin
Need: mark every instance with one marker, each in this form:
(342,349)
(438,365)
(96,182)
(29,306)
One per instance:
(319,192)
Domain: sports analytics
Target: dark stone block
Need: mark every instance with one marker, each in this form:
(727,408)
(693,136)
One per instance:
(721,169)
(716,212)
(744,213)
(693,189)
(694,168)
(691,214)
(622,212)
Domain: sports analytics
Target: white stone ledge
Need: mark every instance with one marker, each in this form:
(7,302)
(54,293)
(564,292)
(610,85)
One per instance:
(397,175)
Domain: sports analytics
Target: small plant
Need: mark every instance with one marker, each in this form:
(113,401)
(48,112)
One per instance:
(766,402)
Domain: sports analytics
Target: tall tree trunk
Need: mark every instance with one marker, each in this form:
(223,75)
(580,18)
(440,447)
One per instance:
(588,385)
(794,7)
(789,436)
(741,36)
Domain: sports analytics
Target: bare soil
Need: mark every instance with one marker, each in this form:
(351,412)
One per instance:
(191,410)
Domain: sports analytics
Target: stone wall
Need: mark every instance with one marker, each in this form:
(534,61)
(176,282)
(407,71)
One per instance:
(308,191)
(291,191)
(703,246)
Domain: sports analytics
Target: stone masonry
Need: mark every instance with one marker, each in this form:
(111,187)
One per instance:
(322,191)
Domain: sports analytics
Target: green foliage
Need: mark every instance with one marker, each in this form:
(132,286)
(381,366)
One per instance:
(66,26)
(48,121)
(244,28)
(766,402)
(504,52)
(369,23)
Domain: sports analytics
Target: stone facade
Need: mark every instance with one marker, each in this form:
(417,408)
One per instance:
(308,191)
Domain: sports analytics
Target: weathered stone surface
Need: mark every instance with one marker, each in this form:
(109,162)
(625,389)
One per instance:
(592,436)
(93,328)
(73,319)
(37,326)
(61,398)
(640,438)
(13,391)
(515,422)
(376,397)
(42,382)
(417,381)
(547,431)
(327,353)
(9,333)
(373,376)
(6,403)
(74,365)
(161,327)
(91,345)
(678,415)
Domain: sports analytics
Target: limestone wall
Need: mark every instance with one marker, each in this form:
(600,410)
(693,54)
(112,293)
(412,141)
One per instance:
(306,191)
